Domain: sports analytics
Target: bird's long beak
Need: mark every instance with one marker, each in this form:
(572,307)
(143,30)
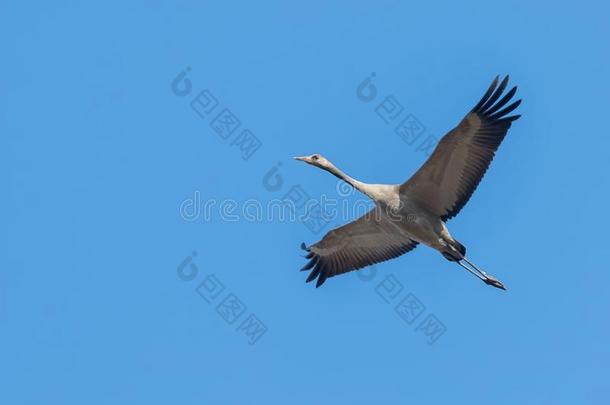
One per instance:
(302,158)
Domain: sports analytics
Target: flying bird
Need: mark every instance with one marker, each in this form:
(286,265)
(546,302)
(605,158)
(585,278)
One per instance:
(416,211)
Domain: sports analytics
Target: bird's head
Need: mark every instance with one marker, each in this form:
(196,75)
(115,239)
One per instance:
(316,160)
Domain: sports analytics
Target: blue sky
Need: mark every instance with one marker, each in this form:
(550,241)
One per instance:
(99,303)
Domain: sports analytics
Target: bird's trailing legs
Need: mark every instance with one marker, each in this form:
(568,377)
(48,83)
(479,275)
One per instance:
(459,257)
(486,278)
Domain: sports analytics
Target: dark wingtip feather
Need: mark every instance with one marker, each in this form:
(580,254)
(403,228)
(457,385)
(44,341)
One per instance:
(304,247)
(502,102)
(505,111)
(487,94)
(310,264)
(321,280)
(314,273)
(323,276)
(496,95)
(512,118)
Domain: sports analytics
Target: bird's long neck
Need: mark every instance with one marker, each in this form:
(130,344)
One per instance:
(358,185)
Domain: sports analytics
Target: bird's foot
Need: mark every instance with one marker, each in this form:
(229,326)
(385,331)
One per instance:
(490,280)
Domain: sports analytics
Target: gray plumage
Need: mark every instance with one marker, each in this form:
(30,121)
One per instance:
(416,211)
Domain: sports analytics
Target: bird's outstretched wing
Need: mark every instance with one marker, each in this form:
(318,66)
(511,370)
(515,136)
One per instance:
(446,181)
(368,240)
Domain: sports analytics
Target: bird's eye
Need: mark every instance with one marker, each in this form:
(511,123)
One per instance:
(315,157)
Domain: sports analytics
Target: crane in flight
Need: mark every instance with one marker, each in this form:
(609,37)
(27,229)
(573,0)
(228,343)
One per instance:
(415,211)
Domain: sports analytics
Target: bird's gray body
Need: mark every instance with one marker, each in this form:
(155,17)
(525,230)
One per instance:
(416,211)
(408,217)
